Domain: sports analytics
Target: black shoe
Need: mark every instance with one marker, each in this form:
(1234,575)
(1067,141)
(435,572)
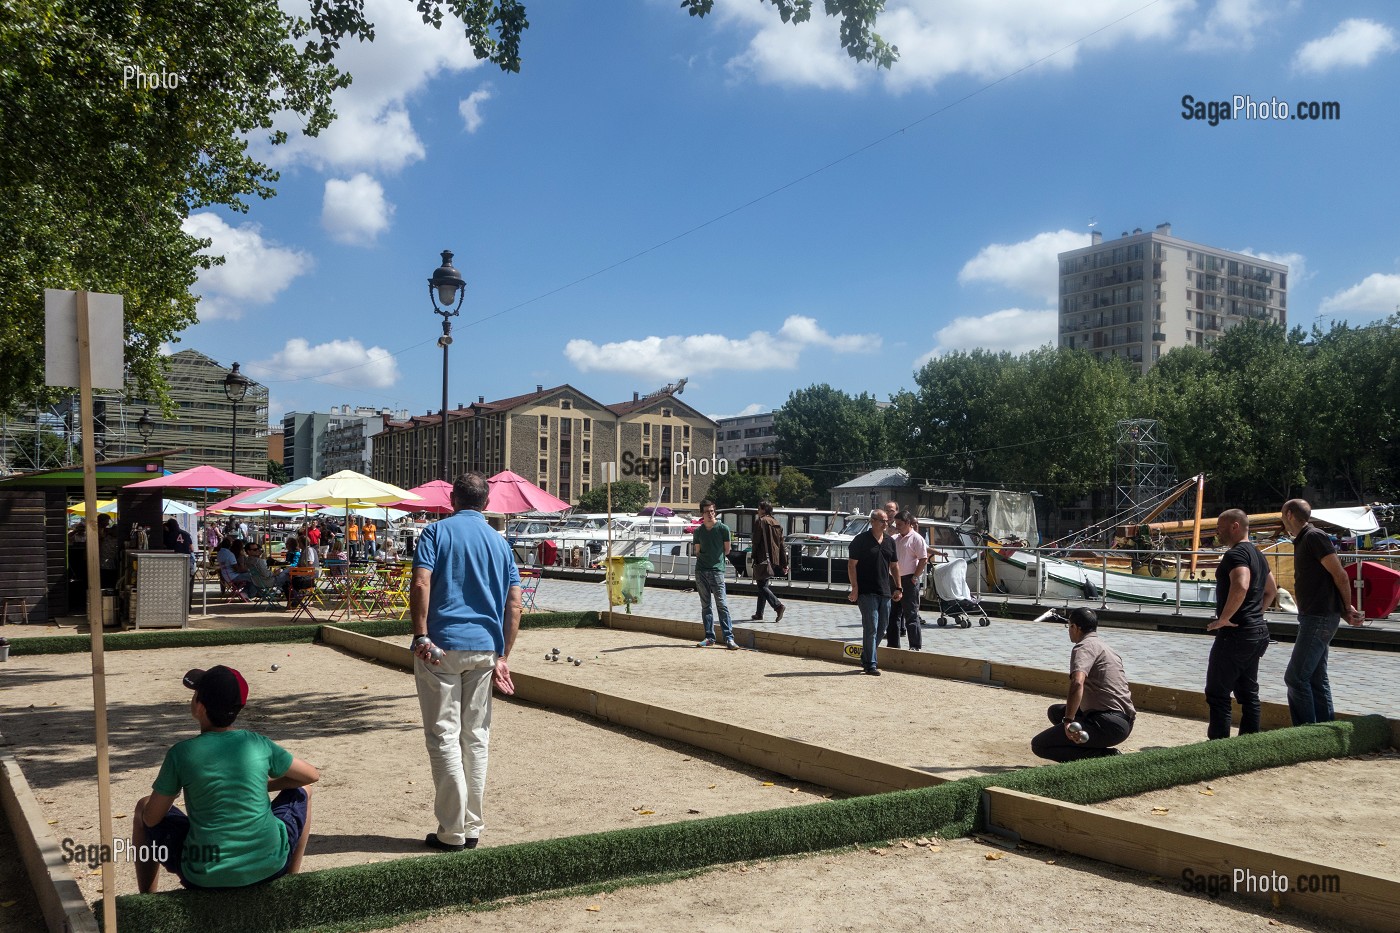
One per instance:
(433,842)
(757,618)
(781,610)
(873,671)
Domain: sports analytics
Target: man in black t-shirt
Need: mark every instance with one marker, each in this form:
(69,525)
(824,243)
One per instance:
(1244,586)
(1324,596)
(873,570)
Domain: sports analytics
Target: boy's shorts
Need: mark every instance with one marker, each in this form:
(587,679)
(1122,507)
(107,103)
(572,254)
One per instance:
(289,806)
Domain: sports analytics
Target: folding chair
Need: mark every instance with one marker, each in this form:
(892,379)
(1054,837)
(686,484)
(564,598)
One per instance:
(529,582)
(301,587)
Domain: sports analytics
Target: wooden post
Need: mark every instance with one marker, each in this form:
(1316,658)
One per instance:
(1196,531)
(94,610)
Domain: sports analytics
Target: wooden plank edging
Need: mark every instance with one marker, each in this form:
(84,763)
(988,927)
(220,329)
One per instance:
(60,899)
(804,761)
(1368,901)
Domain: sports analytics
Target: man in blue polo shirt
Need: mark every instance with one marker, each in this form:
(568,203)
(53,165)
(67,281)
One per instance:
(465,607)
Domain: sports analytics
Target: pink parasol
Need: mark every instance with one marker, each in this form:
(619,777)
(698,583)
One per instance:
(203,479)
(512,494)
(433,496)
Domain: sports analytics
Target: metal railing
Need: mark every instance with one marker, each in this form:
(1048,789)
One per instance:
(1163,579)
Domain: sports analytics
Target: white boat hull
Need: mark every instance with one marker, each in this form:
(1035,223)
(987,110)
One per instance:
(1021,574)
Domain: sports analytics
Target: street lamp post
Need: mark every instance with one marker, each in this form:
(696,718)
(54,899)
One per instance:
(145,427)
(444,288)
(235,389)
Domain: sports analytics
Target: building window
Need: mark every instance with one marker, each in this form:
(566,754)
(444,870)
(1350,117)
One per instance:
(685,432)
(665,412)
(584,489)
(566,404)
(587,464)
(587,425)
(587,446)
(544,442)
(646,429)
(544,467)
(544,422)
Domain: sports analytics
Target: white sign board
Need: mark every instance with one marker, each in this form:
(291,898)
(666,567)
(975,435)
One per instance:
(104,333)
(610,472)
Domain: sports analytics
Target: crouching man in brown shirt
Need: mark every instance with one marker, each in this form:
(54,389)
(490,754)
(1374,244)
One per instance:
(1099,701)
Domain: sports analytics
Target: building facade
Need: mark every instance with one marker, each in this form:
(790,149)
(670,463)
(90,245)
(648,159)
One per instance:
(557,438)
(748,438)
(202,423)
(1144,294)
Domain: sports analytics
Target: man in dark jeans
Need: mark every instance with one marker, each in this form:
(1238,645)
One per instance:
(1324,597)
(1099,699)
(1244,586)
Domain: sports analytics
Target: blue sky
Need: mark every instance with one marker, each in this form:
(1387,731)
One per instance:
(633,124)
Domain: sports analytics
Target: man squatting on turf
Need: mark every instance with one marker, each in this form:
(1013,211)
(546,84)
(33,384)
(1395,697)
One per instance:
(233,835)
(465,607)
(1099,698)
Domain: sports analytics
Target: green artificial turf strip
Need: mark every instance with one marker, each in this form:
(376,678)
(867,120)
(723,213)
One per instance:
(390,888)
(178,638)
(1094,780)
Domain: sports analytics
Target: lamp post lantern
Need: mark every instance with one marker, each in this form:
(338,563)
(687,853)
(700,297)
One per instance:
(145,427)
(444,288)
(235,389)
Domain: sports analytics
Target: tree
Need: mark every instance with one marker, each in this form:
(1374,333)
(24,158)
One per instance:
(117,120)
(831,435)
(276,473)
(794,488)
(734,489)
(627,496)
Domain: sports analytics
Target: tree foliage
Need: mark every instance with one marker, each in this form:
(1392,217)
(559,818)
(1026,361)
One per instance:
(1042,420)
(830,435)
(627,496)
(794,489)
(733,489)
(118,118)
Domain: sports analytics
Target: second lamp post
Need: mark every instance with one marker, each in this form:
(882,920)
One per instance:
(235,388)
(444,288)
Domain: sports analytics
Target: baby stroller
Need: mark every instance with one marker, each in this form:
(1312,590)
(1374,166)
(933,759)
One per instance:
(954,598)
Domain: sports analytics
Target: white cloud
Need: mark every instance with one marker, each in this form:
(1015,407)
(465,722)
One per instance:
(373,129)
(255,270)
(937,39)
(355,211)
(753,409)
(1355,43)
(336,362)
(701,353)
(1031,266)
(1014,330)
(1229,25)
(1378,293)
(470,108)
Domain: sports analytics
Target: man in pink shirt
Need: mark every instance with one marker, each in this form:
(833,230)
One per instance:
(913,558)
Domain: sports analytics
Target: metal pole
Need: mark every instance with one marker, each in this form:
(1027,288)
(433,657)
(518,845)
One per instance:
(233,460)
(1104,603)
(1177,558)
(446,332)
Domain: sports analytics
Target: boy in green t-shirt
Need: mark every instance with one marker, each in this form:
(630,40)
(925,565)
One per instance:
(233,836)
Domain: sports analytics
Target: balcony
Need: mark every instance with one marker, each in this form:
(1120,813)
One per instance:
(1158,337)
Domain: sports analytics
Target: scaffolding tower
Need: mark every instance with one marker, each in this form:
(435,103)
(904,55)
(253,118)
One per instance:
(1142,469)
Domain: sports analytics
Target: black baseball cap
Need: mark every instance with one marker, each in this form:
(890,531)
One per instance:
(222,690)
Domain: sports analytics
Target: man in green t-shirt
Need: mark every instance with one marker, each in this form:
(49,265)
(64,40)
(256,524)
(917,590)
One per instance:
(710,542)
(233,836)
